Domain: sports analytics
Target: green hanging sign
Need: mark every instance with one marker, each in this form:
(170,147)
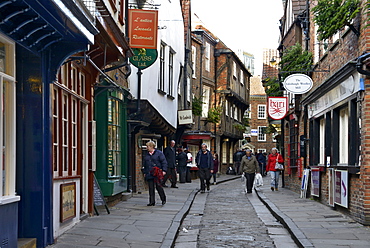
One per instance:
(143,58)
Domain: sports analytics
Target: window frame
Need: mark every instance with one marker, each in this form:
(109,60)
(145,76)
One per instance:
(261,114)
(260,133)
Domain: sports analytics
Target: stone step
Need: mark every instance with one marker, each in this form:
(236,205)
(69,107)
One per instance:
(27,243)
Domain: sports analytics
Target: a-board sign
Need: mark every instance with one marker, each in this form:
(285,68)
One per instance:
(98,197)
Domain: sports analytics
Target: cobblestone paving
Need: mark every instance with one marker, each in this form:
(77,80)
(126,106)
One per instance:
(230,220)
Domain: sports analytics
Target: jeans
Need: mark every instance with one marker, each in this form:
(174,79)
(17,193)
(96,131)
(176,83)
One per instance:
(275,178)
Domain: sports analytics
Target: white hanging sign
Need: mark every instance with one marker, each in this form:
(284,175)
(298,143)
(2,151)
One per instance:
(298,83)
(277,107)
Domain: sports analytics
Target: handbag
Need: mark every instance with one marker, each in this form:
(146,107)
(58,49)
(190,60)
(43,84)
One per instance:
(279,166)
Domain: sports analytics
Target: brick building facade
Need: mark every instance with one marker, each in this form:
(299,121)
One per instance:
(332,116)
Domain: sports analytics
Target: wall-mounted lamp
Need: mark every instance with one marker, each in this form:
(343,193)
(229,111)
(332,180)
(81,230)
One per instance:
(273,61)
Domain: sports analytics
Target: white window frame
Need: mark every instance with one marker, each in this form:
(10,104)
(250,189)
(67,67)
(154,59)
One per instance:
(56,141)
(171,56)
(206,98)
(241,77)
(7,125)
(234,70)
(261,136)
(194,60)
(261,111)
(74,135)
(162,67)
(227,108)
(65,133)
(207,57)
(322,141)
(343,135)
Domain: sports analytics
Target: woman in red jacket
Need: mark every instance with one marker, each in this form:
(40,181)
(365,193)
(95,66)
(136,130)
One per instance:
(271,161)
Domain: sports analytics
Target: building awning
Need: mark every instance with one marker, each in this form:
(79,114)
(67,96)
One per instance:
(197,136)
(38,24)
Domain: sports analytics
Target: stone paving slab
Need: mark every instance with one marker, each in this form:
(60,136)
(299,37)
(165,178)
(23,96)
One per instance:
(311,223)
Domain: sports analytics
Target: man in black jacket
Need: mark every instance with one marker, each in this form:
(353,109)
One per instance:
(170,154)
(204,160)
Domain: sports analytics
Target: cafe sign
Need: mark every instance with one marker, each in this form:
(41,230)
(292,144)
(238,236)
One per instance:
(298,83)
(277,107)
(143,28)
(143,58)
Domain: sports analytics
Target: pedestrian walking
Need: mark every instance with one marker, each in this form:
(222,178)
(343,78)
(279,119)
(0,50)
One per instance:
(170,154)
(155,166)
(204,160)
(189,165)
(261,158)
(215,167)
(237,160)
(271,162)
(182,159)
(249,166)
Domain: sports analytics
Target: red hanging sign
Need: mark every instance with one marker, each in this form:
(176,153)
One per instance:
(277,107)
(143,28)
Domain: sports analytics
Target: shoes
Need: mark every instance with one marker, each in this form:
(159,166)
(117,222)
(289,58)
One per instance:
(163,202)
(248,192)
(208,188)
(276,189)
(174,186)
(164,186)
(151,204)
(272,188)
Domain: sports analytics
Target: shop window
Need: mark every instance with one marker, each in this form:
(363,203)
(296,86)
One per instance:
(7,121)
(68,124)
(231,153)
(114,137)
(261,111)
(261,133)
(224,152)
(293,143)
(343,136)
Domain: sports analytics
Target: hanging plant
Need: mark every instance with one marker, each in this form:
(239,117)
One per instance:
(272,87)
(214,114)
(240,127)
(333,15)
(295,60)
(197,106)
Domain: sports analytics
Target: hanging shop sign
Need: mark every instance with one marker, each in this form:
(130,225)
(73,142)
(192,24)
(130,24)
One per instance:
(143,58)
(277,107)
(143,28)
(185,116)
(298,83)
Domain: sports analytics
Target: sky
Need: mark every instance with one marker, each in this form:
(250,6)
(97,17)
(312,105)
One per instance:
(248,25)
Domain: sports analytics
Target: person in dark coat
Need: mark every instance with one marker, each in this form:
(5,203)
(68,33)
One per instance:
(155,166)
(261,158)
(204,160)
(170,154)
(215,167)
(182,159)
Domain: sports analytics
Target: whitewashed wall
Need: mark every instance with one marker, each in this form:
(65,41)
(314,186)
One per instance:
(169,16)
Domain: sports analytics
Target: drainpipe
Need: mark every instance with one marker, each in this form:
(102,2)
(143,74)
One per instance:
(200,79)
(187,51)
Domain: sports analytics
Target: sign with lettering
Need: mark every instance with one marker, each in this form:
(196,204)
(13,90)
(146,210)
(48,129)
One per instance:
(143,58)
(185,117)
(143,28)
(298,83)
(277,107)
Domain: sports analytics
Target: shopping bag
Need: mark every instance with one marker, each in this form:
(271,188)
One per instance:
(258,181)
(242,178)
(279,166)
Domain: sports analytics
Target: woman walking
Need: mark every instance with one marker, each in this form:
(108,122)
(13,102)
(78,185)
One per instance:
(271,162)
(249,166)
(155,166)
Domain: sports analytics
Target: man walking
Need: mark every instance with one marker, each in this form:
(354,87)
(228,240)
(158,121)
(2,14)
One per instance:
(170,154)
(204,160)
